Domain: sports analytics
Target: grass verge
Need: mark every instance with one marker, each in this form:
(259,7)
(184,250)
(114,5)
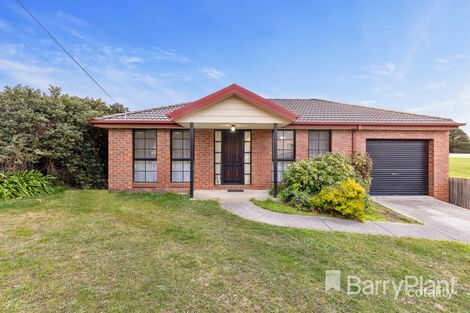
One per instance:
(459,167)
(94,251)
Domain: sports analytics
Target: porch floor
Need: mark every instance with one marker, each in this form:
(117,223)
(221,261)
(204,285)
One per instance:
(231,196)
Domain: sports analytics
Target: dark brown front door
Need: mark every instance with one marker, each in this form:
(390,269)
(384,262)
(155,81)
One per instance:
(232,157)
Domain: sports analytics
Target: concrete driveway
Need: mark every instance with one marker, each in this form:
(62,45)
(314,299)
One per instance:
(450,220)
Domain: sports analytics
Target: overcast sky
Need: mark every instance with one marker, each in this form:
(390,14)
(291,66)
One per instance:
(411,56)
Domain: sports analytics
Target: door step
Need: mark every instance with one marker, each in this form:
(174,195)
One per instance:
(236,190)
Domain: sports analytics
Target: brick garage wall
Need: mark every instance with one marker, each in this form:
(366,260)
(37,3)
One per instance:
(438,152)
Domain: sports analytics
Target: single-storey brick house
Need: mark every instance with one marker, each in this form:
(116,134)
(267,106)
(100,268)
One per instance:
(235,139)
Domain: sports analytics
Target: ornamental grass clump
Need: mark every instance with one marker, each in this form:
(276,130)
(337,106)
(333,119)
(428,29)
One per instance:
(25,184)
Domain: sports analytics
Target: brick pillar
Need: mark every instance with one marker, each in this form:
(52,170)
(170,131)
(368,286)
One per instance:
(440,160)
(163,157)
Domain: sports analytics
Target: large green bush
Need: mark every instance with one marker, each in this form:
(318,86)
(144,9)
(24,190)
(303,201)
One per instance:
(316,183)
(51,133)
(25,184)
(362,164)
(347,199)
(311,175)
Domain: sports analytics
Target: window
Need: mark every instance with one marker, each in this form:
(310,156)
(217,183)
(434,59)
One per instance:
(145,155)
(247,156)
(285,151)
(180,156)
(318,142)
(218,157)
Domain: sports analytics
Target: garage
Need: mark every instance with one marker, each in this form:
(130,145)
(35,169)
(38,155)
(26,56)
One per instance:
(400,167)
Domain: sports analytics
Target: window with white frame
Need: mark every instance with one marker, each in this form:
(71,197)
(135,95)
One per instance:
(285,151)
(180,156)
(318,142)
(145,155)
(218,157)
(247,156)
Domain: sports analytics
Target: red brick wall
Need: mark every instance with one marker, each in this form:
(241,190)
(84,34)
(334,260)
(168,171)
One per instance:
(121,163)
(438,152)
(262,158)
(341,141)
(301,144)
(204,159)
(120,157)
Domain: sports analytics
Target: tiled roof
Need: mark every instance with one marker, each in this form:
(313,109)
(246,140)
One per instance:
(307,111)
(315,110)
(157,114)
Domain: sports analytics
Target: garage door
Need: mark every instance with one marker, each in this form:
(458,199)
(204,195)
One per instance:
(400,167)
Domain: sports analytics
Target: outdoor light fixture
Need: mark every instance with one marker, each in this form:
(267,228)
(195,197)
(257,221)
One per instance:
(232,128)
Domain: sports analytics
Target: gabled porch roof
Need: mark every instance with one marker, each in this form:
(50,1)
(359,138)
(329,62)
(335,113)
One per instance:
(232,90)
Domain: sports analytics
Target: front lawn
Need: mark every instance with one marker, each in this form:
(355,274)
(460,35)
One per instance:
(378,213)
(94,251)
(459,167)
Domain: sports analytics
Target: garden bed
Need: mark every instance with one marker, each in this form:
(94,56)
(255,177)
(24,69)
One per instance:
(377,213)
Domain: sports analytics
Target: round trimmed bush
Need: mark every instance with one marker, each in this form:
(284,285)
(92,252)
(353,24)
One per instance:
(348,199)
(311,175)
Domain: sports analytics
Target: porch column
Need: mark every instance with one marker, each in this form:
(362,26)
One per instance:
(275,159)
(191,160)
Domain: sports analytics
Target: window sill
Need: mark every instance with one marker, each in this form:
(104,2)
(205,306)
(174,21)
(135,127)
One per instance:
(144,185)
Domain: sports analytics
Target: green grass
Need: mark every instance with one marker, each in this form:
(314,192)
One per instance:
(94,251)
(459,167)
(378,213)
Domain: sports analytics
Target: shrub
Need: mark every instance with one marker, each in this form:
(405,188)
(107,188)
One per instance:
(50,133)
(24,184)
(347,198)
(299,199)
(311,175)
(362,164)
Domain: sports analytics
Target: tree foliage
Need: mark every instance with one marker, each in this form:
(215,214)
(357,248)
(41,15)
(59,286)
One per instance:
(459,142)
(50,132)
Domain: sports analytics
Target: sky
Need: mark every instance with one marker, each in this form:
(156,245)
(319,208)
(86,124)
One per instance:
(411,56)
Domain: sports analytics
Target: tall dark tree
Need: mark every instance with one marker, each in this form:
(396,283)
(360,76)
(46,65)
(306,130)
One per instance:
(459,142)
(50,132)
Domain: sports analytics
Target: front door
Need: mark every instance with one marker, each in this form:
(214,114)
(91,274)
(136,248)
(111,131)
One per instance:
(232,157)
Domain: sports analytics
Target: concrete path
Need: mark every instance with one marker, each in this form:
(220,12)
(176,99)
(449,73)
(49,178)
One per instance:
(442,221)
(451,220)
